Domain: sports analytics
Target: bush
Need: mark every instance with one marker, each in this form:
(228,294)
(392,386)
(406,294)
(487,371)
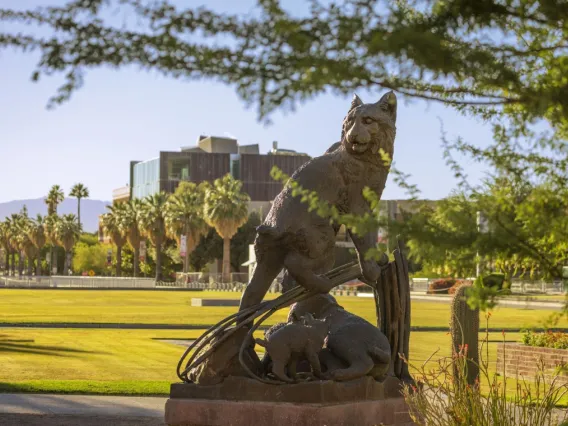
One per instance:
(494,280)
(445,286)
(443,397)
(547,339)
(458,284)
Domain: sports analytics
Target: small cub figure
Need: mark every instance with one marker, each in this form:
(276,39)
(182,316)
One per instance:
(286,344)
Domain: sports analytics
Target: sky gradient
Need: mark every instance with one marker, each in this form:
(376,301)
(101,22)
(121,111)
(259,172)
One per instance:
(125,115)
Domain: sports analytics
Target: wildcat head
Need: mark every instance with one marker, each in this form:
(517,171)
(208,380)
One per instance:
(368,128)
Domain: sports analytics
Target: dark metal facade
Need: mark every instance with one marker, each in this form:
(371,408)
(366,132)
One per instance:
(252,169)
(255,173)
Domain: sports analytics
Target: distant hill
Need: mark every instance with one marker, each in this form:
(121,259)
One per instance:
(90,209)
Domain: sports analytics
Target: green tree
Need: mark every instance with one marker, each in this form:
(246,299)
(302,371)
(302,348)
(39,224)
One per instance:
(210,247)
(152,221)
(434,50)
(37,235)
(79,191)
(90,257)
(6,244)
(67,233)
(242,239)
(51,223)
(113,225)
(17,239)
(131,223)
(226,210)
(25,247)
(184,217)
(55,196)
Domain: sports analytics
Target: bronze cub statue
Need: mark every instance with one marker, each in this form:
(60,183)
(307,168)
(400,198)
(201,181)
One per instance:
(291,237)
(287,342)
(354,347)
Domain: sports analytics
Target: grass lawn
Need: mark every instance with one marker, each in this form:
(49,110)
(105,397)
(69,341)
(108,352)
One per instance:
(132,362)
(174,307)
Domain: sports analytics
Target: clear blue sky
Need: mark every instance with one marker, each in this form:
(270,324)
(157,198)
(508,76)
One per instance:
(126,115)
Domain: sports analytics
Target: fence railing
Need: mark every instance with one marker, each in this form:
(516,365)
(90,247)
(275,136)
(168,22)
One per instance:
(517,286)
(76,282)
(202,281)
(214,281)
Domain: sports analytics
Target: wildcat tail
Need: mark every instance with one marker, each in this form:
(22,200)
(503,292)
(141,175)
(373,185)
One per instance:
(379,355)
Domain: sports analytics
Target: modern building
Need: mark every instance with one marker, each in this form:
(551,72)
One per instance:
(121,195)
(213,157)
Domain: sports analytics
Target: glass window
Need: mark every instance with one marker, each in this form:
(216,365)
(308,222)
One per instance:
(146,178)
(235,166)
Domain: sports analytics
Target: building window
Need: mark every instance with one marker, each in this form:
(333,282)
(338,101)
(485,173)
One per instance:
(178,169)
(235,167)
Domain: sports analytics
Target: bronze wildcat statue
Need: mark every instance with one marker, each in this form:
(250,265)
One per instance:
(286,343)
(291,237)
(354,347)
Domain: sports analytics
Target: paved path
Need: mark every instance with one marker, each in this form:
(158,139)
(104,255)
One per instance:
(44,409)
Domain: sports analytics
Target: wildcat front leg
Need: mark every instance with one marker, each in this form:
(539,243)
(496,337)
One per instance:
(369,267)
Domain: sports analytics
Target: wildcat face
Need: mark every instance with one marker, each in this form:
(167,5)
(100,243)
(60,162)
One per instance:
(367,128)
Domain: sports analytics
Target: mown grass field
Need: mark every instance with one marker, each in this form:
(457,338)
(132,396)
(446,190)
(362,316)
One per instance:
(174,307)
(137,362)
(131,361)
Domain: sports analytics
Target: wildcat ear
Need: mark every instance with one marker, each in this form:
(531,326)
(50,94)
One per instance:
(388,103)
(355,102)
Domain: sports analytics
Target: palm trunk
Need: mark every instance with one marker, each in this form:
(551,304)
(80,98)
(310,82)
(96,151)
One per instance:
(13,263)
(30,265)
(159,259)
(66,263)
(38,264)
(51,260)
(20,264)
(7,259)
(118,260)
(226,260)
(79,213)
(186,255)
(186,259)
(136,260)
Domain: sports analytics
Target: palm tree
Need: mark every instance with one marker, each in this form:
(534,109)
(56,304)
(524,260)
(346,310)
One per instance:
(23,242)
(226,210)
(55,196)
(184,217)
(113,227)
(6,244)
(15,224)
(152,222)
(51,222)
(130,221)
(38,237)
(67,233)
(79,191)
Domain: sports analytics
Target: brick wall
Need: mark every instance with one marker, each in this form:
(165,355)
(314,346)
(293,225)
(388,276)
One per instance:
(525,360)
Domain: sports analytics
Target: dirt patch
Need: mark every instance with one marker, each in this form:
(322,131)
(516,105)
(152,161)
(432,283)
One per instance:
(74,420)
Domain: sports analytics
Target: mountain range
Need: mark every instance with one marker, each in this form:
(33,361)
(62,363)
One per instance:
(90,210)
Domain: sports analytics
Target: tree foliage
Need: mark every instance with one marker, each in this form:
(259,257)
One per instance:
(495,54)
(526,236)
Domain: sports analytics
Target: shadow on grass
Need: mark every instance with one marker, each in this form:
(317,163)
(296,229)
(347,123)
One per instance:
(28,347)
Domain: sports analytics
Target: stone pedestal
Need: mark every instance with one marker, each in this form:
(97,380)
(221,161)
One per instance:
(241,401)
